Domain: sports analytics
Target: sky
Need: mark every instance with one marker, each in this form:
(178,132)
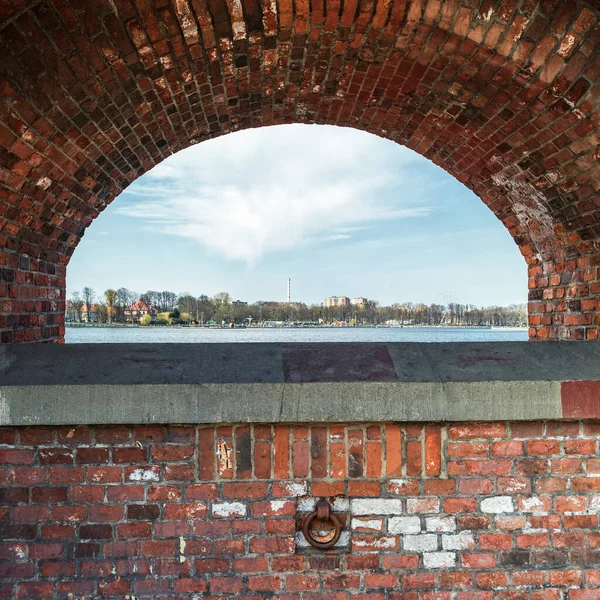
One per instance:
(339,211)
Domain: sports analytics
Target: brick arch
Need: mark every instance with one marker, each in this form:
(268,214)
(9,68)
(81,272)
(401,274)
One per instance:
(502,94)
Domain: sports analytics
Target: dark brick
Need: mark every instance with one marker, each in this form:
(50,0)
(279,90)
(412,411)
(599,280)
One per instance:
(143,512)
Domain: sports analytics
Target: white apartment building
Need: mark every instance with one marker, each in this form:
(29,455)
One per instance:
(342,301)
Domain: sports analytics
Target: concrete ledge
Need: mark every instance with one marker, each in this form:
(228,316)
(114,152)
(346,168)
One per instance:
(269,383)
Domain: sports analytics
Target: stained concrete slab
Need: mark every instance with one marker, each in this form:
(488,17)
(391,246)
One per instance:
(219,383)
(510,361)
(84,364)
(303,363)
(411,363)
(93,364)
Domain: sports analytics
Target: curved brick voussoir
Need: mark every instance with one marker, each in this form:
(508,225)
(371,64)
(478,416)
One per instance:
(502,94)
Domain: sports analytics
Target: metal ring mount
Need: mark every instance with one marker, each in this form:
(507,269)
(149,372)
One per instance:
(322,513)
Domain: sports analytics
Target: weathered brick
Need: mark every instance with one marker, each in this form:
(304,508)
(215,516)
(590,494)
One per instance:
(143,512)
(469,534)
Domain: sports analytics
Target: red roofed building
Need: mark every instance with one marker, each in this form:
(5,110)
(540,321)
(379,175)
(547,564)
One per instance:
(134,312)
(83,314)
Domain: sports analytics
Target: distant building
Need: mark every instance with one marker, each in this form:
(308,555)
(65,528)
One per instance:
(70,312)
(237,303)
(85,315)
(89,314)
(134,312)
(359,301)
(337,301)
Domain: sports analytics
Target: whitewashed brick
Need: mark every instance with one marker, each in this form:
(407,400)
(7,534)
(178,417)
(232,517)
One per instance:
(44,183)
(418,506)
(341,505)
(143,475)
(497,505)
(461,541)
(420,543)
(439,560)
(443,524)
(399,525)
(309,504)
(367,524)
(375,543)
(302,543)
(229,509)
(514,484)
(398,486)
(296,488)
(533,504)
(376,506)
(279,507)
(594,504)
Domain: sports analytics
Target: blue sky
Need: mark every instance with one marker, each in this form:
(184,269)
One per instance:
(340,211)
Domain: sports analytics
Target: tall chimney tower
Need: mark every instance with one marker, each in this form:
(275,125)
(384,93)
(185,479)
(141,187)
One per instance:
(289,291)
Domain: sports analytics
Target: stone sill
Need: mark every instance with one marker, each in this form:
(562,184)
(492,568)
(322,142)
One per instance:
(97,384)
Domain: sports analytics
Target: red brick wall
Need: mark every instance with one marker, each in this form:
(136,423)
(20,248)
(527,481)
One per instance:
(502,94)
(465,511)
(564,299)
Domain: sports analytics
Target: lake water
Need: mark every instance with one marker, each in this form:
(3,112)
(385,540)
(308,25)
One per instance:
(104,335)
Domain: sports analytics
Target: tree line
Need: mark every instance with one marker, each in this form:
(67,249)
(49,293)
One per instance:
(110,307)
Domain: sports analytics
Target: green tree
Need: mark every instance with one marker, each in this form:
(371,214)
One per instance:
(145,320)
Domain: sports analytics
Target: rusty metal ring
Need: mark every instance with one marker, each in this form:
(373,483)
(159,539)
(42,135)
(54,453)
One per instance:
(323,512)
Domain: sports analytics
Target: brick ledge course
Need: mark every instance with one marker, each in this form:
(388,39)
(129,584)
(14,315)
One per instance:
(282,383)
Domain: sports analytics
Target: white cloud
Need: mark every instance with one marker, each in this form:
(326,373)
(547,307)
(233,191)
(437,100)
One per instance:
(268,190)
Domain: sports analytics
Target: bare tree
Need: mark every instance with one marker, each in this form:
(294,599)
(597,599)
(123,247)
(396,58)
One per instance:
(168,301)
(187,304)
(88,300)
(125,298)
(111,299)
(101,312)
(122,302)
(153,298)
(220,308)
(222,298)
(77,304)
(205,309)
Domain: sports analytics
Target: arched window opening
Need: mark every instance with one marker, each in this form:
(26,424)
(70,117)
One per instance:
(296,233)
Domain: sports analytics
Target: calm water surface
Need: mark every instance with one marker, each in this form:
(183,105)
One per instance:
(104,335)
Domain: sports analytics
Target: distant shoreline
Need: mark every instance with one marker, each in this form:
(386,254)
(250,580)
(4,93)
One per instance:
(225,327)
